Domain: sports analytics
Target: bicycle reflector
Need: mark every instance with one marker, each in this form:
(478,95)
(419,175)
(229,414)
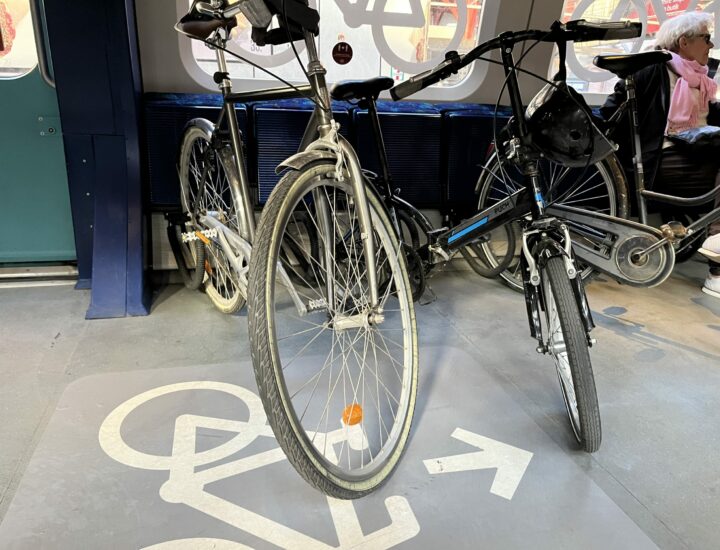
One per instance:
(564,129)
(352,415)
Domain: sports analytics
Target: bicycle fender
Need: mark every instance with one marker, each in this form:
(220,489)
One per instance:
(299,160)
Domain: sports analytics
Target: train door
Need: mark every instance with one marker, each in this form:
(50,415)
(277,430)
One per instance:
(36,221)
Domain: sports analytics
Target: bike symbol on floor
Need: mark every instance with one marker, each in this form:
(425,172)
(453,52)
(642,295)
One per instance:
(186,485)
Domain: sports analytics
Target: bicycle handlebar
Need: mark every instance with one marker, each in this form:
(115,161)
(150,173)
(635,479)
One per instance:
(572,31)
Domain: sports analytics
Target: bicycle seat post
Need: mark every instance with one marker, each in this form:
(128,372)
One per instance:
(379,142)
(636,149)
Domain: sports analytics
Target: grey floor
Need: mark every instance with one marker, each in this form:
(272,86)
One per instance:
(130,433)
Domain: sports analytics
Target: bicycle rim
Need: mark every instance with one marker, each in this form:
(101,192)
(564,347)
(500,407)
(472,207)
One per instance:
(339,390)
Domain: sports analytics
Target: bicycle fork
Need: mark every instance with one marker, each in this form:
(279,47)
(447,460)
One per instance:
(544,239)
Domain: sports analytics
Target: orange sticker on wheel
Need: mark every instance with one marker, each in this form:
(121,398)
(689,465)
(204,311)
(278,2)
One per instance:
(352,415)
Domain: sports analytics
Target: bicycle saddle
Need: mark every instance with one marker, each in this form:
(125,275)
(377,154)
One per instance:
(361,89)
(625,65)
(202,26)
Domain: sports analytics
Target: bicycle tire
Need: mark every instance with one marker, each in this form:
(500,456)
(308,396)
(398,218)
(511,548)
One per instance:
(297,425)
(498,180)
(567,342)
(477,259)
(218,196)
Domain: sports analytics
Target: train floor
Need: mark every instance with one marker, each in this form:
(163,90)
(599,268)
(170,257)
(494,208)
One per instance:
(134,433)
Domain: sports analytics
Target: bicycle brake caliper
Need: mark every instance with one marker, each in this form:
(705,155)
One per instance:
(532,266)
(330,141)
(567,257)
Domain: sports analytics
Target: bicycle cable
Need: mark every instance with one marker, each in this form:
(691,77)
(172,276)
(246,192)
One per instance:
(245,60)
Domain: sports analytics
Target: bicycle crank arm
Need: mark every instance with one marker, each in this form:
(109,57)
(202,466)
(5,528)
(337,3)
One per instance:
(618,247)
(238,251)
(235,248)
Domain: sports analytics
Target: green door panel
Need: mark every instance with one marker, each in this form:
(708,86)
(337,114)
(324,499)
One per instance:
(36,223)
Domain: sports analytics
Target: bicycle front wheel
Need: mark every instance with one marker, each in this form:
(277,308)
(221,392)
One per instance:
(215,197)
(600,187)
(338,380)
(566,340)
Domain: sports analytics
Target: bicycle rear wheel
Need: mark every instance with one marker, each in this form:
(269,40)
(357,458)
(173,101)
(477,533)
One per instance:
(566,340)
(216,197)
(339,382)
(600,187)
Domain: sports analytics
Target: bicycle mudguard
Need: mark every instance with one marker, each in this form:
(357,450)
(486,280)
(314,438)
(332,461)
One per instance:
(610,245)
(299,160)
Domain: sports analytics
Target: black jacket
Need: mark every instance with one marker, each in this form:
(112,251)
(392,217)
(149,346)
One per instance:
(653,98)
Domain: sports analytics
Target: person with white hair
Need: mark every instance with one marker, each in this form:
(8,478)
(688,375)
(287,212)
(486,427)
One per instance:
(673,98)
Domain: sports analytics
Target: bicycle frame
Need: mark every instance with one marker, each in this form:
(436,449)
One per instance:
(526,200)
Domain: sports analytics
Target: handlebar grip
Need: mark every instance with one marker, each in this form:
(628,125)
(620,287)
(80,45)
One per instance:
(428,78)
(585,31)
(407,88)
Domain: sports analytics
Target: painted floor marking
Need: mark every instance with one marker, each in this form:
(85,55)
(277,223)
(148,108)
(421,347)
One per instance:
(511,462)
(186,486)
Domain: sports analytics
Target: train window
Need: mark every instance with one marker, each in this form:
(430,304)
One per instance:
(582,74)
(397,38)
(17,39)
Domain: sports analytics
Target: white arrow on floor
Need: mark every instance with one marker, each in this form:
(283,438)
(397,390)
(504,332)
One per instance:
(511,462)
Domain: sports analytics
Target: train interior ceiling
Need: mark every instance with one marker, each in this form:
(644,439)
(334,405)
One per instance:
(116,359)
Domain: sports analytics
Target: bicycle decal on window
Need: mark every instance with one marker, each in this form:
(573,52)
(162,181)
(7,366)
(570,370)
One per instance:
(393,37)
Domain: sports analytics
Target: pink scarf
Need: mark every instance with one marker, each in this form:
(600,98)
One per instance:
(684,109)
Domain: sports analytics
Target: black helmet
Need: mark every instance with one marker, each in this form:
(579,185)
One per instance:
(564,129)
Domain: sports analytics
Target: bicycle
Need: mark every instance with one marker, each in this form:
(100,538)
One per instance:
(351,275)
(642,260)
(212,233)
(295,325)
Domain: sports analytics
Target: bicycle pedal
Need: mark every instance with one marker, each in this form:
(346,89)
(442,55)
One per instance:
(205,235)
(674,230)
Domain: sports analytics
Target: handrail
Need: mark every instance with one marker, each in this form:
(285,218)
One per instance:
(42,53)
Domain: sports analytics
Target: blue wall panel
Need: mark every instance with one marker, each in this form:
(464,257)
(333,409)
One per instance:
(164,125)
(279,128)
(413,142)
